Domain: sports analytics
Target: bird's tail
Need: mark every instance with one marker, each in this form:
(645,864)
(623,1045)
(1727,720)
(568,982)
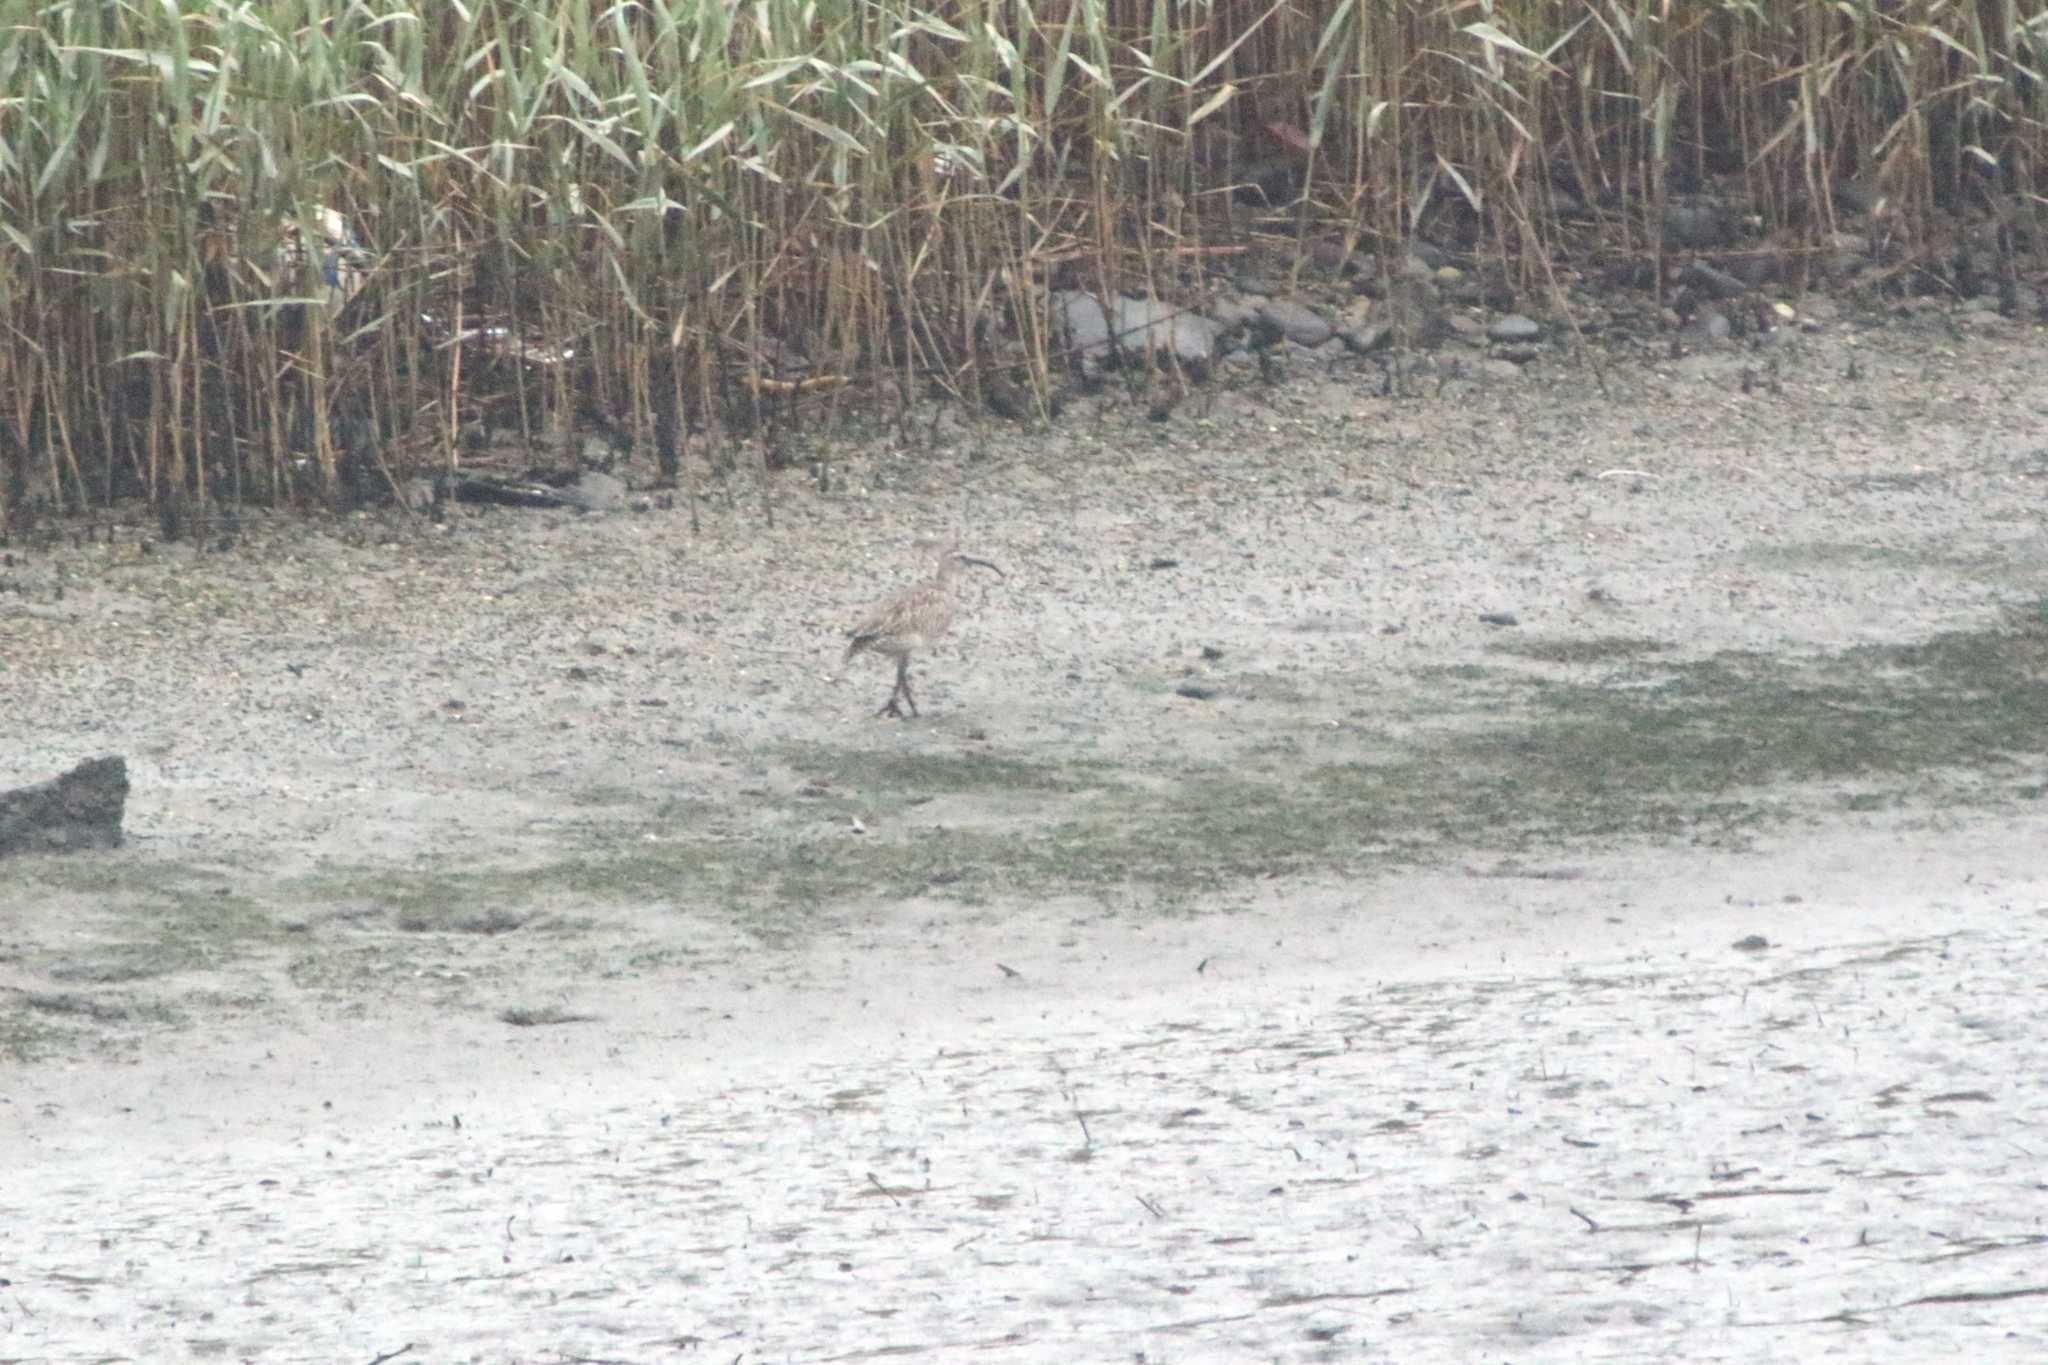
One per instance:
(855,643)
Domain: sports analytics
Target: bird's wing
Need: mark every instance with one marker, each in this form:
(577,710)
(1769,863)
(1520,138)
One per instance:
(881,622)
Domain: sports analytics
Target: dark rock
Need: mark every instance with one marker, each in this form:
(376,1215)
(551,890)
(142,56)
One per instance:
(1851,197)
(1272,182)
(1698,223)
(80,810)
(1367,337)
(489,491)
(1759,268)
(1467,330)
(1464,291)
(1568,205)
(1329,254)
(1433,329)
(1232,315)
(1497,296)
(1716,284)
(1299,323)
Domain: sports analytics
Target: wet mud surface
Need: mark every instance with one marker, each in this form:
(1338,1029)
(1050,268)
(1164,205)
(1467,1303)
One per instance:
(1527,872)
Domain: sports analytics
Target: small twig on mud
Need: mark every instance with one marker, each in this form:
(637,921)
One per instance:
(1086,1140)
(1150,1207)
(1698,1230)
(1591,1226)
(884,1189)
(392,1355)
(1979,1296)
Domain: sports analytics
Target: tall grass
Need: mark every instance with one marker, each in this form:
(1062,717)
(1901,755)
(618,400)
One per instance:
(712,201)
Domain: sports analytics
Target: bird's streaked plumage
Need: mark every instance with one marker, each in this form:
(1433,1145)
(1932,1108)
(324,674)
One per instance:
(913,619)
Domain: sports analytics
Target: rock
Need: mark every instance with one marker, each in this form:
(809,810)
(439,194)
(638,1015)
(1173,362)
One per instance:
(1081,317)
(1297,322)
(1232,316)
(1365,338)
(80,810)
(1851,197)
(1270,182)
(1717,284)
(1697,223)
(1708,326)
(597,492)
(1497,296)
(1515,328)
(1466,329)
(1329,254)
(1759,268)
(1151,326)
(1433,329)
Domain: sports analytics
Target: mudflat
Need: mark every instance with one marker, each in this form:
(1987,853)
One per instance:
(1542,869)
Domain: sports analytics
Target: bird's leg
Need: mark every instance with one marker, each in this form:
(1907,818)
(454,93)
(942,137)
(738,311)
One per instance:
(903,681)
(902,689)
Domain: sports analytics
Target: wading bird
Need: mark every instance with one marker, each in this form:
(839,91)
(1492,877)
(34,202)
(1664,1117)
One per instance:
(911,620)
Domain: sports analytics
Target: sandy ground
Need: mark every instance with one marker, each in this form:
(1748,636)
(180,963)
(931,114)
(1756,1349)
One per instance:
(1253,953)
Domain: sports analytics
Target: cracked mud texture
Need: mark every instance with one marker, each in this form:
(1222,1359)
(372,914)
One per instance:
(529,946)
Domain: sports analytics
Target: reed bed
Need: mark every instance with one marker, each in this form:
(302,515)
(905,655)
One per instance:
(241,244)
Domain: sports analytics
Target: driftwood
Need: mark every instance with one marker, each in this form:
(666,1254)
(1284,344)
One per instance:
(591,492)
(82,809)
